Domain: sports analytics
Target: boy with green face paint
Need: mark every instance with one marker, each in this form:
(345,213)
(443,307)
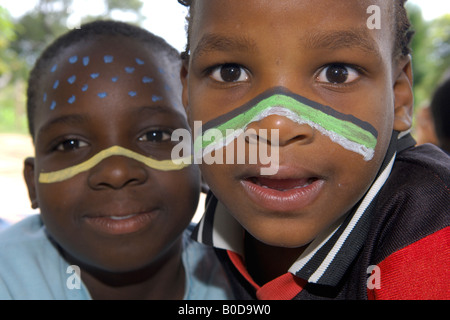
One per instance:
(354,210)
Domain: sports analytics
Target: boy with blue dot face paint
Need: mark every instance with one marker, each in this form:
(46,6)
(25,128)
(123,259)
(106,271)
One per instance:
(114,207)
(354,210)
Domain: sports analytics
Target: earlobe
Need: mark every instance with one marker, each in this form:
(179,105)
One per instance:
(28,173)
(403,94)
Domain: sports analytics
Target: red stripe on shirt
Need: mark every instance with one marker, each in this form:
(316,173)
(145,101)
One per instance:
(417,272)
(285,287)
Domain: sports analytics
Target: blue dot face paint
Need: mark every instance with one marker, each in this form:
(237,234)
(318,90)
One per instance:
(108,59)
(147,80)
(71,99)
(73,59)
(95,68)
(72,79)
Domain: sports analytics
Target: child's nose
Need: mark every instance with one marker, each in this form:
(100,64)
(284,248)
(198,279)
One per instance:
(117,172)
(288,130)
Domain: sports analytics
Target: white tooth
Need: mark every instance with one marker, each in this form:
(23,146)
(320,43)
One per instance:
(121,218)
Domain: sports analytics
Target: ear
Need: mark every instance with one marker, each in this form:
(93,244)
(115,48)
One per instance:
(184,81)
(403,94)
(28,173)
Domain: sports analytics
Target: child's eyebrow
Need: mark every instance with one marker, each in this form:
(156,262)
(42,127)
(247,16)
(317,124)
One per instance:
(221,42)
(340,39)
(149,110)
(72,120)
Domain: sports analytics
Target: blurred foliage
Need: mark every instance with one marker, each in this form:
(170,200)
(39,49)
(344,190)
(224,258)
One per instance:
(22,40)
(430,52)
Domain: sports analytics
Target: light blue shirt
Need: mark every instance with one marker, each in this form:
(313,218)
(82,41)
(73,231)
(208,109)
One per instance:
(31,268)
(3,224)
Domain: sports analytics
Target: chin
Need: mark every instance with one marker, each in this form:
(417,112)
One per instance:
(282,236)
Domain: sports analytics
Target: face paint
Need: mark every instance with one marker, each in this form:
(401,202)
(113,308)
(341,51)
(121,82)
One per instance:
(346,130)
(73,59)
(65,174)
(72,79)
(107,59)
(147,80)
(156,98)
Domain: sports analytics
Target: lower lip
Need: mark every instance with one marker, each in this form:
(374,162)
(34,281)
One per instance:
(121,226)
(283,201)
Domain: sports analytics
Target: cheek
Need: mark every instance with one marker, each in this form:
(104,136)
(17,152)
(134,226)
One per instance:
(180,190)
(59,205)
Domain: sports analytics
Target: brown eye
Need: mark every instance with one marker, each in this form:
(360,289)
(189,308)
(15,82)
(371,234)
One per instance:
(338,74)
(229,73)
(155,136)
(70,145)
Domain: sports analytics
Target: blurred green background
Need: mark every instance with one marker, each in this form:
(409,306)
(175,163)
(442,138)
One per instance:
(23,38)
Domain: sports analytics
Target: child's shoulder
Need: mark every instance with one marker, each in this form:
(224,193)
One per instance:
(410,228)
(29,230)
(426,158)
(24,243)
(206,277)
(420,175)
(417,193)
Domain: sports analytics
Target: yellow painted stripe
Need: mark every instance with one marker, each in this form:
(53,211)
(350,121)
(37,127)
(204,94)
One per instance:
(162,165)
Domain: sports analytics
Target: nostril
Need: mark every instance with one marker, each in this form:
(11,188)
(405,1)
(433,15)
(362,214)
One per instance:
(117,172)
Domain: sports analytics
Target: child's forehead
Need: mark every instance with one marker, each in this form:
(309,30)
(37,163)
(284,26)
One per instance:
(103,68)
(301,16)
(105,54)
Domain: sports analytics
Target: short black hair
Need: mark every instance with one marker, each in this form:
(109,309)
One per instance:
(87,32)
(440,109)
(403,32)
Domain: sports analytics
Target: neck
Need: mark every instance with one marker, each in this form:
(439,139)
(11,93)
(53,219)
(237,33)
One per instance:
(265,262)
(163,279)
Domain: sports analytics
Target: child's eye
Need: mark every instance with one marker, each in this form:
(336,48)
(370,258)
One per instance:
(229,73)
(338,74)
(70,145)
(155,136)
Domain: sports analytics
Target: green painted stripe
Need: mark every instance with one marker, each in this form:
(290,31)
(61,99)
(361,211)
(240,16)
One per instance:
(344,128)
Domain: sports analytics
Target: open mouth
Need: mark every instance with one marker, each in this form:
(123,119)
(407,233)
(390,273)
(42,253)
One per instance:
(282,184)
(282,194)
